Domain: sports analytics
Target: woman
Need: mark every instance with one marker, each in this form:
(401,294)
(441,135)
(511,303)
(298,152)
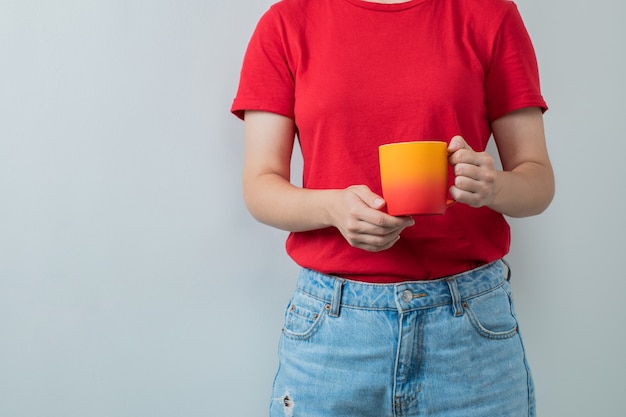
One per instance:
(395,316)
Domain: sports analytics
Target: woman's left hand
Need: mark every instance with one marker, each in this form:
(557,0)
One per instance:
(475,174)
(525,184)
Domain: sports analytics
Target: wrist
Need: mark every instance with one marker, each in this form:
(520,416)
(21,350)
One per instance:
(328,207)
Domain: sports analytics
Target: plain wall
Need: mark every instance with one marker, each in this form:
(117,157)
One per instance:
(133,282)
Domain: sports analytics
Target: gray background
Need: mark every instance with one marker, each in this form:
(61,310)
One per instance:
(134,283)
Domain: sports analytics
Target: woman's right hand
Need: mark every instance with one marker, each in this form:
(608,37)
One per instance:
(357,214)
(273,200)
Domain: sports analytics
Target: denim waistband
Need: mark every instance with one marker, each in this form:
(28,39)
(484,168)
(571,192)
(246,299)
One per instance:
(402,296)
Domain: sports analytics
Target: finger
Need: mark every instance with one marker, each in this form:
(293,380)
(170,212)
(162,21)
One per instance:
(370,198)
(460,152)
(388,227)
(370,234)
(468,184)
(479,167)
(472,199)
(374,248)
(372,215)
(458,143)
(471,159)
(378,223)
(374,243)
(468,170)
(475,193)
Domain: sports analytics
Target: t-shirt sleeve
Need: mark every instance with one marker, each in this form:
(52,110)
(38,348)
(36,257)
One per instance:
(266,80)
(512,80)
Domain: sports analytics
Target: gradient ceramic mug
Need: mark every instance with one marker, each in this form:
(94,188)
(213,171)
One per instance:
(414,177)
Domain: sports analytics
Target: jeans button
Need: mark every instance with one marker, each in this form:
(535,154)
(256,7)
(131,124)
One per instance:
(407,296)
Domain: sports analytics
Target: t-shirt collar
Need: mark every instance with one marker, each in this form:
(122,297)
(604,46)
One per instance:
(386,7)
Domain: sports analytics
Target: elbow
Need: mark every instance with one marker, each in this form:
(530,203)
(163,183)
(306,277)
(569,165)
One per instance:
(250,198)
(549,190)
(547,198)
(540,200)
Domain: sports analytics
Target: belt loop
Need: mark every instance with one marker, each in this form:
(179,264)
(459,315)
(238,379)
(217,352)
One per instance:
(336,301)
(508,269)
(456,297)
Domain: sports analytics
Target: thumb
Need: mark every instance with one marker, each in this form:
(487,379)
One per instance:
(370,198)
(457,143)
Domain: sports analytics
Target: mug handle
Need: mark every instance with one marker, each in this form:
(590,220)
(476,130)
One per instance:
(450,201)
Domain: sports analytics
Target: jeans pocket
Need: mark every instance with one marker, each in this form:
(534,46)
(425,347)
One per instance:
(491,314)
(303,316)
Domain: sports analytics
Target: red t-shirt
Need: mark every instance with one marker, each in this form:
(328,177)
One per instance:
(354,75)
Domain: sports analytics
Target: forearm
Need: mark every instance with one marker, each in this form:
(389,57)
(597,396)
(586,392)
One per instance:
(272,200)
(526,186)
(524,191)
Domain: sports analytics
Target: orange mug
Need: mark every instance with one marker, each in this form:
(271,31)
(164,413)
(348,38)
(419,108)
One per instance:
(414,177)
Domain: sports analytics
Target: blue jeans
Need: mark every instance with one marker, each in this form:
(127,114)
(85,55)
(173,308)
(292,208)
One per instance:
(449,347)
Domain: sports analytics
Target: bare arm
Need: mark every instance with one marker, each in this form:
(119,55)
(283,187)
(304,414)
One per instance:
(525,186)
(273,200)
